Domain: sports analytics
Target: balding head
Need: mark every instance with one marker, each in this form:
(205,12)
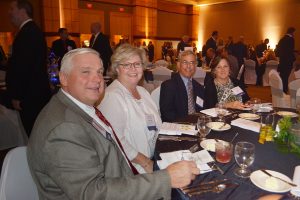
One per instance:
(95,28)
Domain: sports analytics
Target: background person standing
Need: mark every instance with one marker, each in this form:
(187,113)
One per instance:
(27,79)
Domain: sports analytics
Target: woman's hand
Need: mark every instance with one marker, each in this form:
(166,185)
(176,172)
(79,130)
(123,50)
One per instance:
(236,105)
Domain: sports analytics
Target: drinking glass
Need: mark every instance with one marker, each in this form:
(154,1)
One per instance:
(255,104)
(223,151)
(202,127)
(221,111)
(244,154)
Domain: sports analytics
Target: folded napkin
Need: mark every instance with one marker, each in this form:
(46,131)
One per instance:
(246,124)
(213,112)
(201,158)
(177,129)
(296,179)
(265,107)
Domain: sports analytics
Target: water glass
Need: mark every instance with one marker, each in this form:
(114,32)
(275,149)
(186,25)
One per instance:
(244,154)
(223,151)
(221,111)
(202,127)
(255,104)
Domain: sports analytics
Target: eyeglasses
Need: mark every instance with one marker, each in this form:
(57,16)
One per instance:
(186,63)
(135,65)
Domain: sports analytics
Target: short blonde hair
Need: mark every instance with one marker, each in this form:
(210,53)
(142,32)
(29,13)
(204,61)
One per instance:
(67,61)
(124,52)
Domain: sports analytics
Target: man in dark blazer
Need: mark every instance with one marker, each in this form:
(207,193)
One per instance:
(27,79)
(62,45)
(173,101)
(100,43)
(286,54)
(73,152)
(212,41)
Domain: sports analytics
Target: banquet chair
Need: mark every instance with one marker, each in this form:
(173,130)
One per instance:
(279,98)
(199,75)
(271,64)
(250,73)
(298,97)
(161,72)
(293,87)
(240,72)
(16,181)
(155,95)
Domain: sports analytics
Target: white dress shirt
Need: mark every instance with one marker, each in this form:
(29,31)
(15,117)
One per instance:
(128,116)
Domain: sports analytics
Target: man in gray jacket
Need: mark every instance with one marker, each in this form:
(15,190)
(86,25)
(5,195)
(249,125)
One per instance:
(74,154)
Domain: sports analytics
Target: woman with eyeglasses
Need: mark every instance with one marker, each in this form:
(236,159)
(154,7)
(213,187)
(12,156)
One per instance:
(221,88)
(130,109)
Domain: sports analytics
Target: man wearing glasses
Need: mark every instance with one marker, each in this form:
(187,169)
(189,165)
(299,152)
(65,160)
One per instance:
(181,95)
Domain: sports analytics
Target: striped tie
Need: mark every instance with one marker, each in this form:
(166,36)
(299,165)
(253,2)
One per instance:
(191,103)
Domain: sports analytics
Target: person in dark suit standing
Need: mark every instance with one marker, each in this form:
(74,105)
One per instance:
(181,95)
(261,48)
(27,79)
(100,43)
(62,45)
(212,41)
(151,51)
(286,55)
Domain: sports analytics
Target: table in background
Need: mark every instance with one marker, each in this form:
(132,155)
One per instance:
(266,156)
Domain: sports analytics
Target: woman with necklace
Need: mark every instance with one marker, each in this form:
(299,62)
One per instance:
(222,88)
(130,109)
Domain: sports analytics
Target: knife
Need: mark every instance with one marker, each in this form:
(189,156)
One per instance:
(265,171)
(203,186)
(177,138)
(214,189)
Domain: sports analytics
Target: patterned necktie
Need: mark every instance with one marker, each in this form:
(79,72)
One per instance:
(104,120)
(191,103)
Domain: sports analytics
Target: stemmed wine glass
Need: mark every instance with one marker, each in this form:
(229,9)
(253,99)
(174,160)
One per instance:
(221,111)
(202,127)
(255,104)
(244,154)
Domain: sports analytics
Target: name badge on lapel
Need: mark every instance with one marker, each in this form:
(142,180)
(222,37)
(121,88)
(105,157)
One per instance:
(199,101)
(100,129)
(237,90)
(150,121)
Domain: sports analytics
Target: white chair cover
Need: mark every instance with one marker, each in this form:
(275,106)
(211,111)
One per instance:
(155,95)
(298,97)
(16,181)
(250,73)
(293,87)
(279,98)
(240,72)
(199,75)
(160,74)
(271,64)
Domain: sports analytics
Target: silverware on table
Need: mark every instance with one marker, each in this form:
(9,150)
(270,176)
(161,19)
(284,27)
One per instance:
(203,185)
(176,138)
(216,188)
(267,173)
(214,166)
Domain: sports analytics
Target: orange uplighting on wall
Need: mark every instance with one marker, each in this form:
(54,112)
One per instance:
(202,26)
(61,14)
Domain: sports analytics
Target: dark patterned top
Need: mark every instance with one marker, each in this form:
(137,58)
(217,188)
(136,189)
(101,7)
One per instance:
(225,93)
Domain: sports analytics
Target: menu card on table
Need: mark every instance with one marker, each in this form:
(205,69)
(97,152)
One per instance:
(177,129)
(246,124)
(201,158)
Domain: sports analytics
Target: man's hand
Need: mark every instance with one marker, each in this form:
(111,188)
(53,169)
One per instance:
(16,104)
(182,173)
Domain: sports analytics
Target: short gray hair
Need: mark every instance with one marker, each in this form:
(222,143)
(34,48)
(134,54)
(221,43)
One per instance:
(124,52)
(67,61)
(185,53)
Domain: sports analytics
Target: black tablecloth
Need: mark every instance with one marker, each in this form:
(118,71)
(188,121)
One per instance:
(266,156)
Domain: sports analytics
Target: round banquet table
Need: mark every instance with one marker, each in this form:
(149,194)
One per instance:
(267,156)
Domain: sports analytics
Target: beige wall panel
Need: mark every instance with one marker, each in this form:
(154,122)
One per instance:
(172,24)
(120,24)
(89,16)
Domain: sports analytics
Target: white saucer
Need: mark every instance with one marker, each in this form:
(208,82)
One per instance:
(209,144)
(262,181)
(249,116)
(218,126)
(287,114)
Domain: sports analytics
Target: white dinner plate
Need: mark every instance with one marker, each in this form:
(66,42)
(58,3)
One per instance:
(209,144)
(218,126)
(287,113)
(264,181)
(249,116)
